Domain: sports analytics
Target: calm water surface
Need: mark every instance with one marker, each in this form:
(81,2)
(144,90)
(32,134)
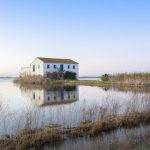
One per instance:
(22,107)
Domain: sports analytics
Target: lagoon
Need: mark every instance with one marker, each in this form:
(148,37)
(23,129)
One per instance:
(35,106)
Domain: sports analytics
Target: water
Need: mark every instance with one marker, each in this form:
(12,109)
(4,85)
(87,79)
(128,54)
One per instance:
(30,107)
(120,139)
(89,78)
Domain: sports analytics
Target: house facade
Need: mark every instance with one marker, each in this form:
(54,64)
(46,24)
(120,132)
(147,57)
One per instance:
(44,66)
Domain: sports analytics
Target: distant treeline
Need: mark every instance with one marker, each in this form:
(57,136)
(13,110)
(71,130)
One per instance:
(7,77)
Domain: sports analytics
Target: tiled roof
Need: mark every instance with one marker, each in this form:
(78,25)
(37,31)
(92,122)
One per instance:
(55,60)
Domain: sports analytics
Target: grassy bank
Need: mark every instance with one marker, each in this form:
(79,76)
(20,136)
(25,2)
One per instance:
(119,80)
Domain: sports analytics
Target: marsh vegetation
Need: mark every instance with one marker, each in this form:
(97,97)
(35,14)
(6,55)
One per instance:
(133,80)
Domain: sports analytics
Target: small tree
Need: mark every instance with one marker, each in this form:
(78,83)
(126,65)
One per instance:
(105,77)
(70,76)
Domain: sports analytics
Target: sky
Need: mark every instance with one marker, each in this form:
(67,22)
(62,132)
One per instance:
(104,36)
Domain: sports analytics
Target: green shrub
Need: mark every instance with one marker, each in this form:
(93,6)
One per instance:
(105,77)
(70,76)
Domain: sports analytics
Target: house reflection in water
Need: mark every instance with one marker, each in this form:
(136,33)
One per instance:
(54,95)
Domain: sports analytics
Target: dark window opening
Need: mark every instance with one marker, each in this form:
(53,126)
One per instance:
(74,67)
(33,68)
(48,66)
(68,66)
(55,66)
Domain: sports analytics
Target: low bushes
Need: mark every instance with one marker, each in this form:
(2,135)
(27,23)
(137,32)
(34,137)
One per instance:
(105,77)
(70,76)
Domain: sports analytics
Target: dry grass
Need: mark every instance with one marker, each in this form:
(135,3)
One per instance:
(32,138)
(30,80)
(37,81)
(37,138)
(7,144)
(132,78)
(110,123)
(136,80)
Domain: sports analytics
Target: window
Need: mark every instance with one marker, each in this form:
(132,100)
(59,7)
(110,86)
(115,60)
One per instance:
(54,66)
(68,66)
(38,66)
(33,68)
(74,67)
(48,66)
(48,98)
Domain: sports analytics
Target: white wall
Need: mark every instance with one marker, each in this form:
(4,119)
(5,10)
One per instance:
(52,69)
(38,67)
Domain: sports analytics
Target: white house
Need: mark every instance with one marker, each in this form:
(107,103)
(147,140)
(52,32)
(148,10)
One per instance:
(43,66)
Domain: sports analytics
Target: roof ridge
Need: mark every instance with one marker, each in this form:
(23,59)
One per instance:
(53,58)
(57,60)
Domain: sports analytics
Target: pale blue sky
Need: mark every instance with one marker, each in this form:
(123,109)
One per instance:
(102,35)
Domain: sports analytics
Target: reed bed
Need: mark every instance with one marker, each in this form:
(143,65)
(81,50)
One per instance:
(132,78)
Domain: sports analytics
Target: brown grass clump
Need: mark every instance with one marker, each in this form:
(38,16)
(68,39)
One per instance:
(146,117)
(132,119)
(105,125)
(96,128)
(28,139)
(111,123)
(7,144)
(80,131)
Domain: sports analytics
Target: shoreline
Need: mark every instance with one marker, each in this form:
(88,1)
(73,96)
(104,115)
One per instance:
(48,82)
